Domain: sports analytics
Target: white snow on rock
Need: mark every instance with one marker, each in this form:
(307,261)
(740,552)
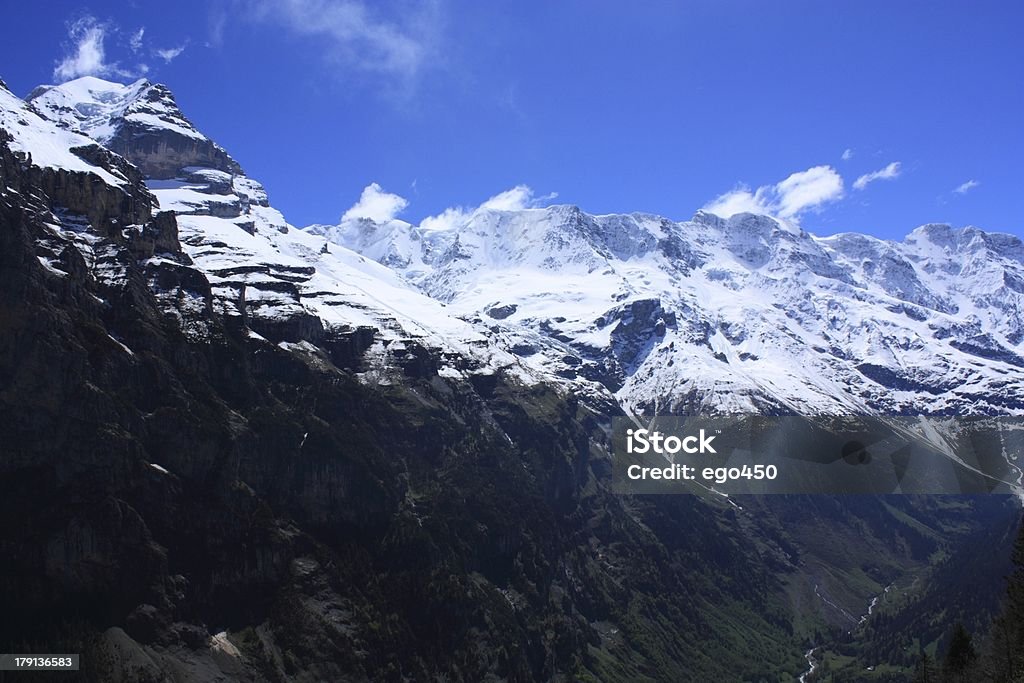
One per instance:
(749,314)
(48,145)
(264,270)
(98,108)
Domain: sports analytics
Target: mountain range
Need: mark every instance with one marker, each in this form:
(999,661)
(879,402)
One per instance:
(744,314)
(244,450)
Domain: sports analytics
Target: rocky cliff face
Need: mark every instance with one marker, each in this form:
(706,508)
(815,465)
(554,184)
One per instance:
(283,284)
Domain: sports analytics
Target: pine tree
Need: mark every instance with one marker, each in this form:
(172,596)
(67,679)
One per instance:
(1002,648)
(1015,584)
(923,672)
(1007,648)
(961,653)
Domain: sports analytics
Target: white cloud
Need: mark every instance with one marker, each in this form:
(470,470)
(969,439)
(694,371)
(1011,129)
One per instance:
(888,173)
(357,35)
(808,190)
(519,197)
(135,42)
(377,205)
(800,192)
(847,154)
(86,55)
(515,199)
(740,200)
(169,54)
(964,188)
(447,219)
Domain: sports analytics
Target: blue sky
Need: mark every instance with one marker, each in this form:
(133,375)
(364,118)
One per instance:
(867,116)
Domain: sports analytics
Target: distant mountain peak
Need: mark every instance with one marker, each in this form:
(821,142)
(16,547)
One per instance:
(786,320)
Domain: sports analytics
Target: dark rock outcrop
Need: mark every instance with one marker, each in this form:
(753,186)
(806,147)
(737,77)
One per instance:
(162,151)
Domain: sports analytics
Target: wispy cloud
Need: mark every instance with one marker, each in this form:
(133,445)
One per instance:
(216,23)
(847,154)
(135,42)
(800,192)
(808,190)
(888,173)
(964,188)
(359,36)
(85,54)
(515,199)
(168,54)
(377,205)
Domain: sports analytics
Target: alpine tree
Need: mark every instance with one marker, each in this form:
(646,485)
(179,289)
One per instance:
(960,655)
(923,673)
(1007,647)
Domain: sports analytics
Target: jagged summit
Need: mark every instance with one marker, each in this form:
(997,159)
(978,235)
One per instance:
(88,105)
(140,121)
(746,313)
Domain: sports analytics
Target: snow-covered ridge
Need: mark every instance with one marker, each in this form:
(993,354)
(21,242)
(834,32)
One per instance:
(48,145)
(98,108)
(286,285)
(742,314)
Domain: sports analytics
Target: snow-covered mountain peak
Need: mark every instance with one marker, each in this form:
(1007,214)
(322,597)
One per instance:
(87,105)
(943,238)
(48,145)
(388,242)
(140,121)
